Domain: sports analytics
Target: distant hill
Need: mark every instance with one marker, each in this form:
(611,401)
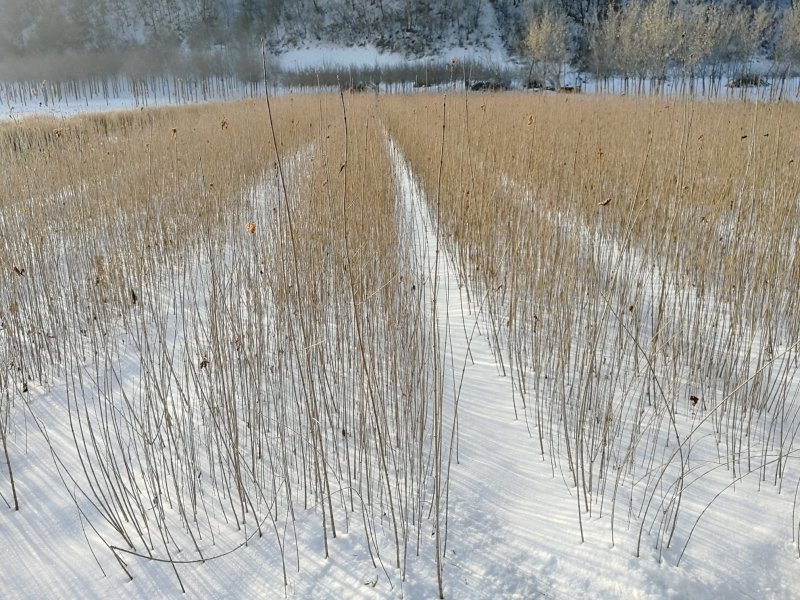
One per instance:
(410,27)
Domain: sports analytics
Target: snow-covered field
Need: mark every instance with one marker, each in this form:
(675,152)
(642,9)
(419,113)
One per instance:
(128,486)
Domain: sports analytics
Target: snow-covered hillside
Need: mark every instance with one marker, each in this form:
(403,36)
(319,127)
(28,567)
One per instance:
(410,27)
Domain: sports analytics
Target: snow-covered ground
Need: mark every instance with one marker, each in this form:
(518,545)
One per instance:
(512,515)
(331,56)
(337,57)
(64,110)
(24,99)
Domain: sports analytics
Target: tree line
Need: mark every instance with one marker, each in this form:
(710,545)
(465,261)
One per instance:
(655,40)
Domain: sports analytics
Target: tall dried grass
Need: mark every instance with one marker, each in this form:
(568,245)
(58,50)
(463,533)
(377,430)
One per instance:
(237,332)
(638,261)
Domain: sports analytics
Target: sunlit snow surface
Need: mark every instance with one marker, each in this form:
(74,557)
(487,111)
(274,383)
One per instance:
(62,109)
(320,57)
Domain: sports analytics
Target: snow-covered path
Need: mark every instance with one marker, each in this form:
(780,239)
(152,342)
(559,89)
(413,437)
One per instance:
(494,546)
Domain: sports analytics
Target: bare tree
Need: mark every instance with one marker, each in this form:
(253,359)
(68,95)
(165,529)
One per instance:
(546,43)
(16,17)
(787,46)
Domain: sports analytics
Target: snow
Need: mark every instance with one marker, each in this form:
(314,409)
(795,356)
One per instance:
(492,51)
(328,56)
(64,110)
(40,103)
(322,55)
(325,56)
